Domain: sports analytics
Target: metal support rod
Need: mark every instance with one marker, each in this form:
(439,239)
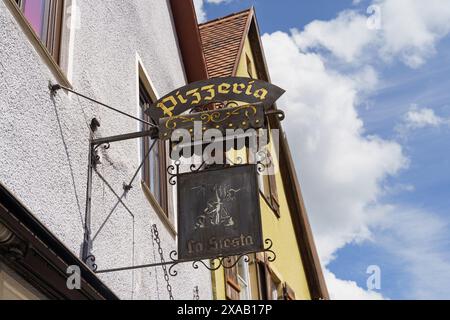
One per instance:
(119,199)
(127,136)
(142,162)
(57,87)
(87,242)
(150,265)
(221,261)
(114,193)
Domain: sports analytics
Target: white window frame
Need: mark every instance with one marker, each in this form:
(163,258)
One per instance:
(244,280)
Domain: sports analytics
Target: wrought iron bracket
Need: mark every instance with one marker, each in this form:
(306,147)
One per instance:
(216,263)
(94,160)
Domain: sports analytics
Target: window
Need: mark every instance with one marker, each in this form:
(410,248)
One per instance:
(268,186)
(273,287)
(232,287)
(243,277)
(237,280)
(154,169)
(270,286)
(288,293)
(45,17)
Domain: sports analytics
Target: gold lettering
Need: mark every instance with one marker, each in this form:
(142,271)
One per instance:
(166,109)
(249,88)
(240,85)
(222,88)
(261,94)
(211,91)
(181,98)
(196,94)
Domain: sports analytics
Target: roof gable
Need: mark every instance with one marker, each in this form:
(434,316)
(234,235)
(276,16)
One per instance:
(222,41)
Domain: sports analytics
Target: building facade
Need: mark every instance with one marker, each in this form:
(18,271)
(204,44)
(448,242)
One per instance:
(124,54)
(68,209)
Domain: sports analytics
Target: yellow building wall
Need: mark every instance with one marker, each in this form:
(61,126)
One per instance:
(288,264)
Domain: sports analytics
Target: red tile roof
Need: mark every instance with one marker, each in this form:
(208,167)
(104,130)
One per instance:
(222,40)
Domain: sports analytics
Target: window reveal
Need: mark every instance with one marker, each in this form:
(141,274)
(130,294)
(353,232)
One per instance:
(154,173)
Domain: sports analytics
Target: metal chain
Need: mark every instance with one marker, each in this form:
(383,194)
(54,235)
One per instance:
(196,293)
(164,267)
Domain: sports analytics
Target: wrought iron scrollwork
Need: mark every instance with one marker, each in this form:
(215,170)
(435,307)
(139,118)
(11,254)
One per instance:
(237,161)
(173,171)
(271,254)
(226,262)
(194,168)
(106,146)
(96,157)
(173,256)
(264,162)
(216,105)
(90,262)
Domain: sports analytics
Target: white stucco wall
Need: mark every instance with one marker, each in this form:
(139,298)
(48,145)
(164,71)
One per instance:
(44,141)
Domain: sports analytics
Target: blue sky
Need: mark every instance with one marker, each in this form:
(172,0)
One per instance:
(372,110)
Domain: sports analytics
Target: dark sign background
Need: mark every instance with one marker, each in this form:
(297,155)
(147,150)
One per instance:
(219,213)
(200,93)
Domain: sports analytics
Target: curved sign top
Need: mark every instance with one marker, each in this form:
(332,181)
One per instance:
(223,90)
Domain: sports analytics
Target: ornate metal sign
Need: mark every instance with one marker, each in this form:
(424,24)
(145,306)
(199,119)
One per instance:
(219,213)
(219,90)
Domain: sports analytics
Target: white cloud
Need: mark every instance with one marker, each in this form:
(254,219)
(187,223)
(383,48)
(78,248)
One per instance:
(340,168)
(200,11)
(200,8)
(348,290)
(346,36)
(411,28)
(409,31)
(420,118)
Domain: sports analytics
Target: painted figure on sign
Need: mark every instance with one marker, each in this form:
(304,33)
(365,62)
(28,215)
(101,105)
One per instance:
(216,212)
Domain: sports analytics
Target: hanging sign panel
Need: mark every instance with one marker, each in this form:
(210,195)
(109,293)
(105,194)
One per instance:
(214,90)
(219,213)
